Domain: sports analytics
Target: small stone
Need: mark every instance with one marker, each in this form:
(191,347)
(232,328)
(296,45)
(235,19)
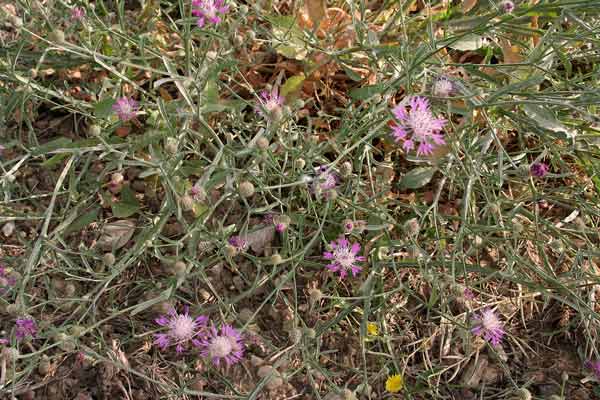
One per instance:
(8,229)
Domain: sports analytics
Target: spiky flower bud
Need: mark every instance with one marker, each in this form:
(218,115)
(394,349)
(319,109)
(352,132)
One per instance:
(246,189)
(262,143)
(109,259)
(187,203)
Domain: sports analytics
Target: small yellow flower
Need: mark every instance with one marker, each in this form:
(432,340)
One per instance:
(372,329)
(394,383)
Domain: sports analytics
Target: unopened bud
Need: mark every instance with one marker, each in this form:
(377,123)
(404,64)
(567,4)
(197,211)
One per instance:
(348,225)
(300,163)
(57,36)
(262,143)
(171,145)
(314,296)
(346,169)
(94,130)
(276,259)
(179,268)
(187,203)
(10,353)
(246,189)
(109,259)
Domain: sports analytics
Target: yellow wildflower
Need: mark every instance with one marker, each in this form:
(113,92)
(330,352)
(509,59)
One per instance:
(394,383)
(372,329)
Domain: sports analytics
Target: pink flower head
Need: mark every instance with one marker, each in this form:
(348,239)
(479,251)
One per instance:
(418,126)
(270,103)
(595,367)
(77,13)
(344,257)
(225,345)
(6,281)
(238,242)
(507,6)
(208,10)
(443,87)
(181,329)
(539,170)
(126,108)
(488,325)
(25,327)
(324,183)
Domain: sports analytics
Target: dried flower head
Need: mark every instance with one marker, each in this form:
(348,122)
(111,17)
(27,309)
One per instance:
(394,383)
(181,330)
(238,242)
(324,183)
(489,326)
(443,87)
(507,6)
(6,281)
(208,10)
(468,294)
(418,125)
(126,108)
(348,225)
(344,257)
(594,366)
(270,103)
(25,327)
(226,344)
(539,170)
(77,13)
(198,193)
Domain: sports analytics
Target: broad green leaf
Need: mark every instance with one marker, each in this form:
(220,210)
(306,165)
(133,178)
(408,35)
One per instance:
(128,204)
(367,92)
(103,108)
(54,160)
(469,42)
(83,221)
(417,178)
(547,120)
(50,146)
(292,85)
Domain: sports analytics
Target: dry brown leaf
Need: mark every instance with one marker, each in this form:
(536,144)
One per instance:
(512,53)
(317,10)
(468,5)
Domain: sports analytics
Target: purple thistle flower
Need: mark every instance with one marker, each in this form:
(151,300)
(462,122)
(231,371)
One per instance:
(208,10)
(488,325)
(270,103)
(418,125)
(77,13)
(181,329)
(594,366)
(238,242)
(539,170)
(126,108)
(443,87)
(226,345)
(6,281)
(25,327)
(4,342)
(507,6)
(344,257)
(324,183)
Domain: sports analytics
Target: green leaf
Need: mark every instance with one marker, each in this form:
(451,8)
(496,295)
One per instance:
(103,108)
(292,85)
(127,206)
(367,92)
(546,119)
(417,178)
(83,221)
(54,160)
(51,146)
(351,74)
(469,42)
